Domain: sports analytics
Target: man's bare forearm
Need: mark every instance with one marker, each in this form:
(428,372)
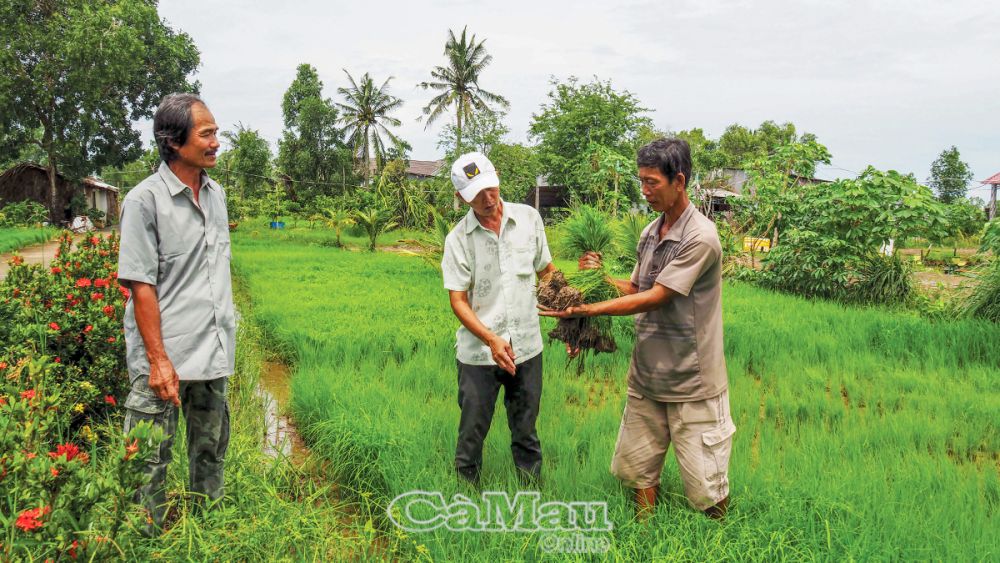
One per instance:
(463,310)
(147,320)
(624,286)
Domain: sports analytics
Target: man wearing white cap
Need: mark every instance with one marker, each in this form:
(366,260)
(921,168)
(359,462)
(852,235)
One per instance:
(491,260)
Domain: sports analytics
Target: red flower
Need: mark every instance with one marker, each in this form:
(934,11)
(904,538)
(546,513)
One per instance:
(16,260)
(3,401)
(94,240)
(111,339)
(54,326)
(68,449)
(109,399)
(29,519)
(101,282)
(96,296)
(114,275)
(57,360)
(124,291)
(56,270)
(109,310)
(72,549)
(29,455)
(131,449)
(83,282)
(54,471)
(3,365)
(88,328)
(29,394)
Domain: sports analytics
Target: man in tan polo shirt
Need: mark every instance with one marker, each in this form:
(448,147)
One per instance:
(677,383)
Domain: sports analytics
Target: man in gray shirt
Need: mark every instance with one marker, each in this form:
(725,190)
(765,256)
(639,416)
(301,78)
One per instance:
(678,391)
(180,326)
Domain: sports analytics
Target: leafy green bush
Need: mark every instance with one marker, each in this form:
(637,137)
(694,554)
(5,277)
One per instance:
(991,237)
(67,475)
(984,303)
(23,214)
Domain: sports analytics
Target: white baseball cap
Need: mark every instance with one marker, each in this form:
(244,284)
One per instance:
(473,173)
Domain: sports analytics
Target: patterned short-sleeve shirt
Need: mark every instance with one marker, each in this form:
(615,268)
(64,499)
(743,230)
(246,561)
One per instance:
(498,272)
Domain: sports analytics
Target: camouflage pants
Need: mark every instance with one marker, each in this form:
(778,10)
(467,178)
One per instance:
(206,412)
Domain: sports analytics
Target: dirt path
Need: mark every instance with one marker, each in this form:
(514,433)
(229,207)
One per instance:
(42,253)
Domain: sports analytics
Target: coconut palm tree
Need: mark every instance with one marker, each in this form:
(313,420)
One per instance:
(366,116)
(458,83)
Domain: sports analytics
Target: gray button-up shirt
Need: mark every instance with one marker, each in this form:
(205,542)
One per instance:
(498,272)
(678,353)
(183,249)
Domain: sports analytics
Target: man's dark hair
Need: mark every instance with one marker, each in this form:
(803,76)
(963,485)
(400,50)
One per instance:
(172,123)
(670,156)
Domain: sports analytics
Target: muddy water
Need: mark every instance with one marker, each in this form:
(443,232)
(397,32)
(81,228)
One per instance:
(280,436)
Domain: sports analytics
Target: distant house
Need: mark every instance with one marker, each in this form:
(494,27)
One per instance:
(418,169)
(30,182)
(719,186)
(423,169)
(545,197)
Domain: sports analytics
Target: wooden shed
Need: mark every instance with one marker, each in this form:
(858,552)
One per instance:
(30,182)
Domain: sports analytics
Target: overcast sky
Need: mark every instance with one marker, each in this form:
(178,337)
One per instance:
(889,83)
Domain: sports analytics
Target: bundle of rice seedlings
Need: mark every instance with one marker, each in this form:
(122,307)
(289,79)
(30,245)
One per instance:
(587,230)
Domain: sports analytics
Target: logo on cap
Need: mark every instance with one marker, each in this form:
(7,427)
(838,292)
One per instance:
(471,170)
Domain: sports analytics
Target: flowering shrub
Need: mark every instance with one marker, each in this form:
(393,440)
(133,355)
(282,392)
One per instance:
(72,308)
(64,492)
(67,474)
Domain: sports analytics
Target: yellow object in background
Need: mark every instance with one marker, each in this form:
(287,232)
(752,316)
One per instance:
(753,244)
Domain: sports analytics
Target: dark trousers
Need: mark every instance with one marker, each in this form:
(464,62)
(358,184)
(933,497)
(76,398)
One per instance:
(478,387)
(206,411)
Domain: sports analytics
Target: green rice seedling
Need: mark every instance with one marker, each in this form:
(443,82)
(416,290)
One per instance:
(588,230)
(863,433)
(14,238)
(628,230)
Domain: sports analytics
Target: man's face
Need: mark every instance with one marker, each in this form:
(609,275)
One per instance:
(199,151)
(660,193)
(486,202)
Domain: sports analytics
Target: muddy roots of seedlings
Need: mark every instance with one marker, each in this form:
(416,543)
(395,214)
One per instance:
(583,333)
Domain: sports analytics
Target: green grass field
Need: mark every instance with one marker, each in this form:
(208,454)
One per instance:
(862,433)
(14,238)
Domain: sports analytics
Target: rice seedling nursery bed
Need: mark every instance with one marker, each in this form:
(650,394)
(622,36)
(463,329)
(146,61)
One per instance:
(862,433)
(14,238)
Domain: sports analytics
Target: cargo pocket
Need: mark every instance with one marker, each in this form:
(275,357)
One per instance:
(142,404)
(718,446)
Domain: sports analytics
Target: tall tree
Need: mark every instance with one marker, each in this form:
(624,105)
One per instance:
(246,167)
(581,121)
(311,155)
(366,115)
(458,83)
(480,133)
(80,73)
(950,176)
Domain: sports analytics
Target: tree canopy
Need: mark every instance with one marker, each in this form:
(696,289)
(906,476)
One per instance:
(311,154)
(950,176)
(75,75)
(578,124)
